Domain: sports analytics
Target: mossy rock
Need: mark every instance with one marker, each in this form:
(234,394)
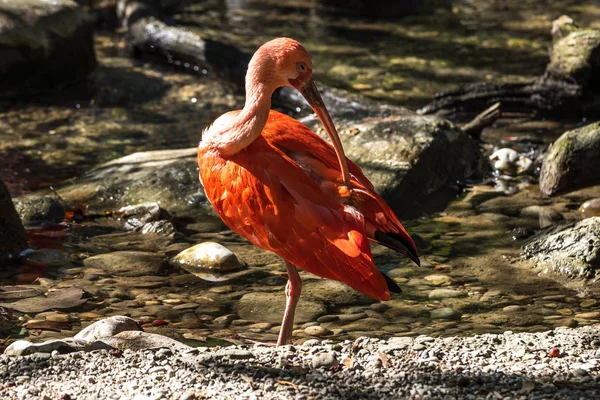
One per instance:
(573,161)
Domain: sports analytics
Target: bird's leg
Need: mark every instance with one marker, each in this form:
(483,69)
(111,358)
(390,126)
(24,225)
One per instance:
(292,294)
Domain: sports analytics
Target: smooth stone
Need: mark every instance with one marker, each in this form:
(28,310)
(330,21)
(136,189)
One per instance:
(587,303)
(347,318)
(224,320)
(325,360)
(445,313)
(446,294)
(50,257)
(328,318)
(564,311)
(108,327)
(588,315)
(438,279)
(128,263)
(185,306)
(317,331)
(207,257)
(260,326)
(512,308)
(590,208)
(269,307)
(330,291)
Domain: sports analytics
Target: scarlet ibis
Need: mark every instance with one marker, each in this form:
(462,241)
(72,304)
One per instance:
(279,185)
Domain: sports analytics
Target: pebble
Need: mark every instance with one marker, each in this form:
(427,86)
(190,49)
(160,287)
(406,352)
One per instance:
(446,294)
(438,279)
(317,331)
(445,313)
(326,360)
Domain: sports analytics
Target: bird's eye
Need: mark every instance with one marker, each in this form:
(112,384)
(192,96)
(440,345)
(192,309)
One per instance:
(301,67)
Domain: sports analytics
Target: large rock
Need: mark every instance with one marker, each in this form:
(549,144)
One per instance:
(108,327)
(413,161)
(167,177)
(269,307)
(573,161)
(42,44)
(573,252)
(12,234)
(37,209)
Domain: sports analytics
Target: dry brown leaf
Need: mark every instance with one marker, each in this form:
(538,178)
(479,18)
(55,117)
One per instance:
(348,362)
(384,359)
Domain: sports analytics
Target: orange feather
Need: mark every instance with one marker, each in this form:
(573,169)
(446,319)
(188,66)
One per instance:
(282,193)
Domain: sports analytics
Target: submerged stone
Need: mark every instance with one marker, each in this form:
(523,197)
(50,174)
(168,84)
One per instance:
(590,208)
(208,260)
(269,307)
(128,263)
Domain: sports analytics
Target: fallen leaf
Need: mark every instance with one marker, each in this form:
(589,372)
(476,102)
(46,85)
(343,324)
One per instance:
(286,383)
(348,362)
(18,292)
(384,359)
(61,299)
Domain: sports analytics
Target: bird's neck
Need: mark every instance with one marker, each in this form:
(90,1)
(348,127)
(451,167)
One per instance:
(250,122)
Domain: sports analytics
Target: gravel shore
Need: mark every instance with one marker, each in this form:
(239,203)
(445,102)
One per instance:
(558,364)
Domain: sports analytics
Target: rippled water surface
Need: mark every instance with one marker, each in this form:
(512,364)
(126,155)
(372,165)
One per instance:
(469,249)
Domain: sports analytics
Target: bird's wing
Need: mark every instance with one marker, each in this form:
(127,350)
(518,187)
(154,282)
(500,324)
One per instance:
(318,158)
(265,196)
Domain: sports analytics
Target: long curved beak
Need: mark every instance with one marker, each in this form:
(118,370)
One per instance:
(309,90)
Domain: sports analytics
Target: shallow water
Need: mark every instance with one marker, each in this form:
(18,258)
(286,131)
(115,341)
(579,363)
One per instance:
(130,105)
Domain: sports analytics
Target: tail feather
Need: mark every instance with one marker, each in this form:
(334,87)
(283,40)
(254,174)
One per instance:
(392,286)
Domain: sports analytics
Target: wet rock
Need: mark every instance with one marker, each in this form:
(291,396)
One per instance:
(12,233)
(411,160)
(208,260)
(445,313)
(108,327)
(590,208)
(140,214)
(127,263)
(317,331)
(136,340)
(269,307)
(573,251)
(546,216)
(36,209)
(24,347)
(446,294)
(44,44)
(330,291)
(167,177)
(510,162)
(572,162)
(438,279)
(49,257)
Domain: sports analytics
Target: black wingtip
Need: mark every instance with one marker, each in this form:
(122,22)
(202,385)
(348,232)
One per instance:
(392,286)
(398,243)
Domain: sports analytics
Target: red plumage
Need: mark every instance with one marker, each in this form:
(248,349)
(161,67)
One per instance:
(284,193)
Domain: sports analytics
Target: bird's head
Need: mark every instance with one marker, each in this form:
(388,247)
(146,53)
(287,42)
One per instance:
(285,62)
